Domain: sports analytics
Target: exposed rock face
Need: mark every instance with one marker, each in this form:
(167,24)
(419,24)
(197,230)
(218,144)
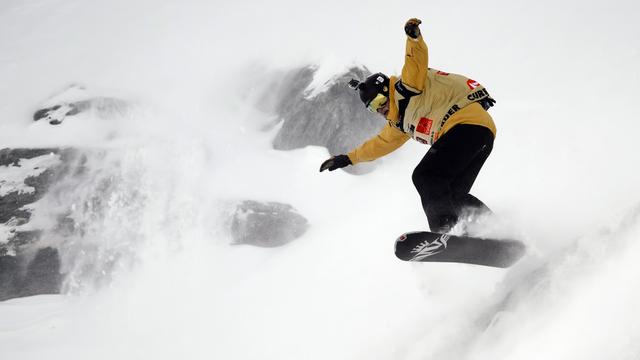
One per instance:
(75,99)
(334,118)
(25,177)
(9,277)
(43,273)
(41,276)
(103,107)
(64,211)
(266,224)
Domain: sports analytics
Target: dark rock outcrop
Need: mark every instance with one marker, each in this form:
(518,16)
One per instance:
(268,224)
(75,99)
(14,156)
(9,277)
(335,118)
(104,108)
(40,276)
(43,273)
(25,267)
(12,204)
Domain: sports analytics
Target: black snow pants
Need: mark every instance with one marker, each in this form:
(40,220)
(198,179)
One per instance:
(446,173)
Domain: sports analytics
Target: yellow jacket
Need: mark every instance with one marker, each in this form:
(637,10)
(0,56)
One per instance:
(424,105)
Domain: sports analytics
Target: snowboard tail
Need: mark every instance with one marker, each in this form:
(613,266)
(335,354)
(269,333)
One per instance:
(425,246)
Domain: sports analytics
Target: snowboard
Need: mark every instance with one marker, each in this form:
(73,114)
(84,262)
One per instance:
(425,246)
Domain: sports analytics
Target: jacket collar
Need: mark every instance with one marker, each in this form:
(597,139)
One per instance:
(393,108)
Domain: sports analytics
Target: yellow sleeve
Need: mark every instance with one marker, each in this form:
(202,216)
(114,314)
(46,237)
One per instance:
(388,140)
(416,63)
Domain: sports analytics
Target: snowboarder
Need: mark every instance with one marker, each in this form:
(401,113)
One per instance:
(446,111)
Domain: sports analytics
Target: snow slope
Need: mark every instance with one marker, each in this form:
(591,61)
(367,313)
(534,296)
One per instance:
(563,177)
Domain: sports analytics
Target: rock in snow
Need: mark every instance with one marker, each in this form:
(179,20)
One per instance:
(25,176)
(75,99)
(266,224)
(334,118)
(41,276)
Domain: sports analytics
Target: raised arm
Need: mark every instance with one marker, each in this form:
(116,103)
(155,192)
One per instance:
(416,58)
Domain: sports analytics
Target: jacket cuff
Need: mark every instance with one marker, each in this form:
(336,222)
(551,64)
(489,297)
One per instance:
(352,157)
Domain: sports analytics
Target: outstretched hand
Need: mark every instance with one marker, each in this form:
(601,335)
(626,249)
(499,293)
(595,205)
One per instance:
(411,28)
(336,162)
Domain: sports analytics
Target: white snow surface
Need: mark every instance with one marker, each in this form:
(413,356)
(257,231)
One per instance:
(563,177)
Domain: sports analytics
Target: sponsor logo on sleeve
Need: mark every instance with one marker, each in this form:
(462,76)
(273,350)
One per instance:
(472,84)
(451,111)
(424,125)
(477,95)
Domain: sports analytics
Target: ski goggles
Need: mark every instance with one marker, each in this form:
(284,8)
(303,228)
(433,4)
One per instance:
(377,102)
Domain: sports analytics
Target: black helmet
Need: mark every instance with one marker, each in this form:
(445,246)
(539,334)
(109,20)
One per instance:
(371,87)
